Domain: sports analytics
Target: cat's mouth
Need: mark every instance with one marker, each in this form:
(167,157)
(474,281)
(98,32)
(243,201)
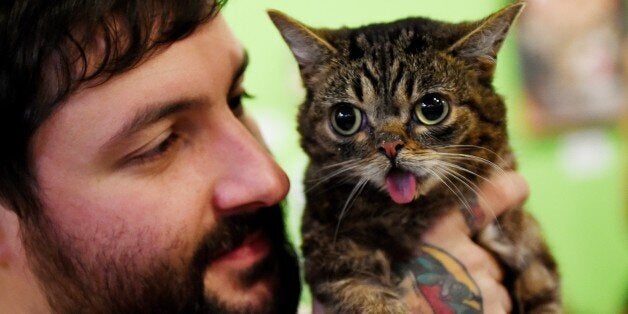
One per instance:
(401,186)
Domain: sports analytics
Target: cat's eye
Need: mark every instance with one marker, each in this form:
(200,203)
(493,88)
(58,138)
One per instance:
(346,119)
(432,109)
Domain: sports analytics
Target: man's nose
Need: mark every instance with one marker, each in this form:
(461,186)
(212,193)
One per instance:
(249,177)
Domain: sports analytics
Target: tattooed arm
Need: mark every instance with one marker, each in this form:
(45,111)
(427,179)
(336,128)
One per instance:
(451,270)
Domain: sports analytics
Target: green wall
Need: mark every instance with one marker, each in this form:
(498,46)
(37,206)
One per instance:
(580,204)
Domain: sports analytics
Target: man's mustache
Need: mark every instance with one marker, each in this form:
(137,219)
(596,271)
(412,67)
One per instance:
(231,231)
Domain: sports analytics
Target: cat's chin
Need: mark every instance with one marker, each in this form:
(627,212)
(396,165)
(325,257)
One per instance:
(401,186)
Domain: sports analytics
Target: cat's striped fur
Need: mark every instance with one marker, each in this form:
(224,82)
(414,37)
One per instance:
(352,231)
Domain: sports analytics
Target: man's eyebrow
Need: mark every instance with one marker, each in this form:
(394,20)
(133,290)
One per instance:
(149,115)
(155,113)
(240,71)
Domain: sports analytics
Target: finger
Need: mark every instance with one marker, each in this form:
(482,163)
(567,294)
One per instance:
(467,260)
(480,263)
(502,192)
(447,230)
(448,235)
(495,298)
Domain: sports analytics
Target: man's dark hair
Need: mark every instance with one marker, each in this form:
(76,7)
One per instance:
(48,48)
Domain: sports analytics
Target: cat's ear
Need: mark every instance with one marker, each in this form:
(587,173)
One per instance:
(308,48)
(483,43)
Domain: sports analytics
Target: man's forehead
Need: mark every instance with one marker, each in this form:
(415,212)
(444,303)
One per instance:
(212,40)
(214,32)
(218,31)
(202,65)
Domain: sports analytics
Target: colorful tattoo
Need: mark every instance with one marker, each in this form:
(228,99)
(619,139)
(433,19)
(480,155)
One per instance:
(441,284)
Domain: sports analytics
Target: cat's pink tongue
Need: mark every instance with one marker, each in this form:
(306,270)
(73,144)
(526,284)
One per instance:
(401,186)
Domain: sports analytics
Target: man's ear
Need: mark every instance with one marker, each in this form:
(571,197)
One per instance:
(308,47)
(9,235)
(20,291)
(483,43)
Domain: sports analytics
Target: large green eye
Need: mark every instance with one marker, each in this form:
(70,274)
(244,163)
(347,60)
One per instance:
(432,109)
(346,119)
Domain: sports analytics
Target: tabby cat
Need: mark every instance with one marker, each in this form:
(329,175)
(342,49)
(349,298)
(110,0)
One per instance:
(401,123)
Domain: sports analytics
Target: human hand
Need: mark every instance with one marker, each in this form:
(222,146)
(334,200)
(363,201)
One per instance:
(449,244)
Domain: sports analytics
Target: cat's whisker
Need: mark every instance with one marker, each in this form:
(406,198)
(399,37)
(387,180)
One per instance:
(477,192)
(341,164)
(457,156)
(450,186)
(343,180)
(429,133)
(354,193)
(436,157)
(347,166)
(463,169)
(499,157)
(460,194)
(475,189)
(330,175)
(471,157)
(442,177)
(453,169)
(443,170)
(474,158)
(469,184)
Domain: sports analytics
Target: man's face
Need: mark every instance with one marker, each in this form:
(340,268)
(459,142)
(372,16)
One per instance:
(156,191)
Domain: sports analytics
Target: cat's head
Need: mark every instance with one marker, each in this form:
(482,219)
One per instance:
(404,106)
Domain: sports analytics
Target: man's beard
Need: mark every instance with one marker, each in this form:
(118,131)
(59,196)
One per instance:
(103,283)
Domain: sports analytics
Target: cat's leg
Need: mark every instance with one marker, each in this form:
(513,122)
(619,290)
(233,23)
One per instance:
(516,240)
(348,278)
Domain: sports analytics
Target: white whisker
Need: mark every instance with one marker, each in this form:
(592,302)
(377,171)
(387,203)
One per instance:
(347,166)
(458,147)
(341,164)
(471,157)
(457,167)
(451,187)
(477,147)
(457,156)
(354,193)
(472,187)
(460,178)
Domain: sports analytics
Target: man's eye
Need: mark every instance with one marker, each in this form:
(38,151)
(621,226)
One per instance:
(158,151)
(235,102)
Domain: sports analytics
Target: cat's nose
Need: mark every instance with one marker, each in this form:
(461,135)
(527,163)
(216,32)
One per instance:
(390,148)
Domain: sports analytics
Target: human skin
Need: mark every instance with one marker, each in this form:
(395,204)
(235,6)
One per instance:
(154,191)
(452,234)
(503,191)
(148,195)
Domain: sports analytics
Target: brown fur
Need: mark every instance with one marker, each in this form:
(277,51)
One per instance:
(353,233)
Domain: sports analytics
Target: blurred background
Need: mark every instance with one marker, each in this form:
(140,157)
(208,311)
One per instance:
(561,75)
